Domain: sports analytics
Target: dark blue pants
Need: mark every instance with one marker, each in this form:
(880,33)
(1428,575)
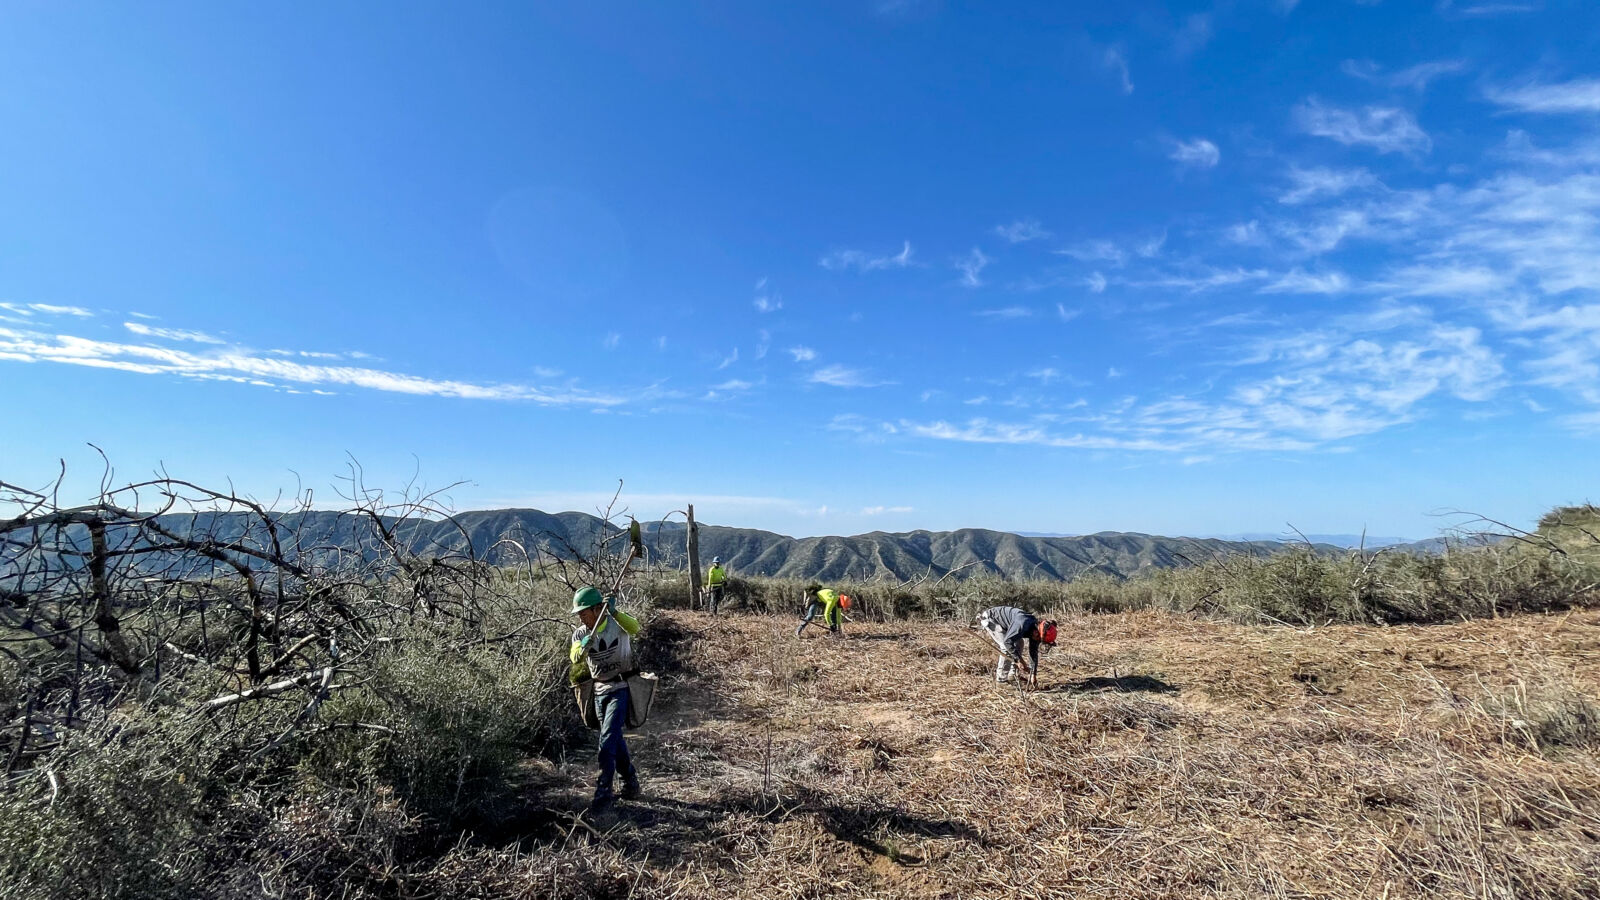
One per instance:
(815,608)
(613,748)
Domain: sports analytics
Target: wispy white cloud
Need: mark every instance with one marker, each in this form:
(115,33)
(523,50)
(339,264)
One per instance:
(1318,182)
(54,310)
(236,364)
(1581,95)
(1324,387)
(1564,343)
(862,427)
(1296,392)
(1095,282)
(1193,34)
(48,309)
(1198,153)
(1244,233)
(611,340)
(1414,78)
(1452,9)
(730,387)
(881,510)
(1449,280)
(1006,312)
(1065,314)
(1114,59)
(843,376)
(729,360)
(1096,251)
(1022,231)
(971,266)
(1115,253)
(172,334)
(1300,282)
(983,431)
(766,300)
(1151,247)
(861,261)
(1383,128)
(1571,367)
(1204,279)
(802,354)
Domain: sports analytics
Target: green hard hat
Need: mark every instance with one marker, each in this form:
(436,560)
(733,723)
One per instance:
(586,597)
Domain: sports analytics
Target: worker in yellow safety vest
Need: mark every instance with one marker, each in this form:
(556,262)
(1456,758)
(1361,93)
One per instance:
(716,584)
(829,603)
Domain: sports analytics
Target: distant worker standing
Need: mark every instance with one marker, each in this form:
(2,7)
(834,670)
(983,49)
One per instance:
(716,583)
(828,602)
(1010,628)
(604,643)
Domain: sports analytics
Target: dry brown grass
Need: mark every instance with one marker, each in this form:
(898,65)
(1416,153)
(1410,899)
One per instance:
(1162,757)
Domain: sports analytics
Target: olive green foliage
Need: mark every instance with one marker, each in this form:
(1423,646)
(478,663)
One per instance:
(159,800)
(1553,568)
(457,720)
(118,811)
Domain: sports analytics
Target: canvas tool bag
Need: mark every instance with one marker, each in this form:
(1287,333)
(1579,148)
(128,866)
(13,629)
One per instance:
(641,695)
(583,693)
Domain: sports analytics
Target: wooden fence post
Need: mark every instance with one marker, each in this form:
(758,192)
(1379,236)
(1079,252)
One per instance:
(694,561)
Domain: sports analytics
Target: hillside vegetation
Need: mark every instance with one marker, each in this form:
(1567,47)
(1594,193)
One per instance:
(506,536)
(243,710)
(1555,567)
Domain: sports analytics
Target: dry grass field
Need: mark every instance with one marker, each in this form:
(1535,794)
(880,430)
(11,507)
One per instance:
(1162,756)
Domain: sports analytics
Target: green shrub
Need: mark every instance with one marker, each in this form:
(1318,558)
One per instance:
(128,812)
(457,723)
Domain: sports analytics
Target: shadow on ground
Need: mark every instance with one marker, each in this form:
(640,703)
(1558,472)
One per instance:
(668,831)
(1122,684)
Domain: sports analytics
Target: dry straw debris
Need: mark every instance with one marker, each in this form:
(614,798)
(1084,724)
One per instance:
(1163,756)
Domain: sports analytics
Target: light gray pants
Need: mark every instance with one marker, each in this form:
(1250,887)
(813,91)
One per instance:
(1006,668)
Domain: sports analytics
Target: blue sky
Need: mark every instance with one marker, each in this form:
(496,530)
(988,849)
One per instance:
(818,268)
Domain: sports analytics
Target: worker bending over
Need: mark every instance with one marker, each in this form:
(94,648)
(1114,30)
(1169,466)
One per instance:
(829,603)
(605,642)
(1010,628)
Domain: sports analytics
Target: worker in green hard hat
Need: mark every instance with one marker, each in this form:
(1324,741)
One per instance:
(603,645)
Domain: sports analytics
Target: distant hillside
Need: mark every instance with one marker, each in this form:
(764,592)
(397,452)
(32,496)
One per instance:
(491,534)
(1370,542)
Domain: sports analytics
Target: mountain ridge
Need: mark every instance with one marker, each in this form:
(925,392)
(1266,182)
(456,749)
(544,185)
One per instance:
(502,536)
